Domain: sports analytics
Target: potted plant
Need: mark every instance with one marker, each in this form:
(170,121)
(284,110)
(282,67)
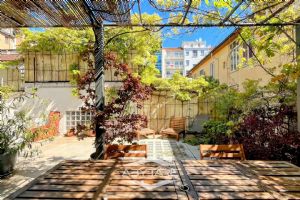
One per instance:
(14,136)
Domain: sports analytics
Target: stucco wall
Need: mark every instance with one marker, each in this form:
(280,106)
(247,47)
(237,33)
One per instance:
(223,73)
(51,97)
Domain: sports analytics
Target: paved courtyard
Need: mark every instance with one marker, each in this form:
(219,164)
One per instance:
(63,148)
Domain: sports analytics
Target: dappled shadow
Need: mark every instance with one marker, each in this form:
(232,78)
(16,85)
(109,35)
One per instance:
(50,154)
(25,171)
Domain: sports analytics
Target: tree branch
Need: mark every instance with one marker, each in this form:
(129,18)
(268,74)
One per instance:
(187,11)
(232,11)
(277,11)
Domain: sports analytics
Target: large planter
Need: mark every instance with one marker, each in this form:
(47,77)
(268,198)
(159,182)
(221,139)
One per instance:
(7,163)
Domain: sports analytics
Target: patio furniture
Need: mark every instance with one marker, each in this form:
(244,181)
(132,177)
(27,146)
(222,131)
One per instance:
(177,126)
(114,151)
(231,151)
(145,132)
(206,179)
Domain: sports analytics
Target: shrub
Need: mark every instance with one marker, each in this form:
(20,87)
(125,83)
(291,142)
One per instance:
(216,132)
(267,134)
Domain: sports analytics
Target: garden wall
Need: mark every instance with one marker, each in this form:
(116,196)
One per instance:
(162,106)
(54,67)
(11,77)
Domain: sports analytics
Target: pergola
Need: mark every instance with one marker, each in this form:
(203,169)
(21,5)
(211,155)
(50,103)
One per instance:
(100,13)
(70,13)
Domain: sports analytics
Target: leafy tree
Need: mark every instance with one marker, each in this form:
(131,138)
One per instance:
(182,87)
(56,40)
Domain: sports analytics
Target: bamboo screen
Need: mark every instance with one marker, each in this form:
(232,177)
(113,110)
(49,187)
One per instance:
(53,67)
(162,106)
(11,77)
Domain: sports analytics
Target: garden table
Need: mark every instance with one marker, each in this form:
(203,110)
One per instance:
(157,179)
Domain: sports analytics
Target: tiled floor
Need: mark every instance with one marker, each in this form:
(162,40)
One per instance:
(62,148)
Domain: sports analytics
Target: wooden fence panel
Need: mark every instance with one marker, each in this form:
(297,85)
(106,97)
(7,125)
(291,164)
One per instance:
(11,77)
(162,106)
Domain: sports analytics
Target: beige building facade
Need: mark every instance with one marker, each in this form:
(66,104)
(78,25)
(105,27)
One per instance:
(7,39)
(223,64)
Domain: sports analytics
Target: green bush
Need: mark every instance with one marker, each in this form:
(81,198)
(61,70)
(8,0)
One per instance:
(215,131)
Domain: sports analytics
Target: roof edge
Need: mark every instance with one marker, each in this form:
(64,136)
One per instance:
(219,46)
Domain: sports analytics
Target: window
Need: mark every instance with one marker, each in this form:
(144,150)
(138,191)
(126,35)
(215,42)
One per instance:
(176,63)
(187,62)
(202,72)
(187,53)
(234,56)
(176,54)
(73,118)
(247,53)
(212,70)
(195,53)
(168,63)
(181,63)
(202,52)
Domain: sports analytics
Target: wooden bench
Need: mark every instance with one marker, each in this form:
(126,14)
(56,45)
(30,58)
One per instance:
(114,151)
(231,151)
(177,126)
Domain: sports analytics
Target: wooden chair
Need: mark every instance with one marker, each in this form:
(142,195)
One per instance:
(231,151)
(114,151)
(177,126)
(145,132)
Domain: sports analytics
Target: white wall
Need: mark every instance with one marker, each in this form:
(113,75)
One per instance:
(51,97)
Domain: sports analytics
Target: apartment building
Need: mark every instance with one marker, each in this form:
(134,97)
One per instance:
(183,58)
(7,39)
(12,75)
(222,63)
(158,63)
(172,61)
(194,51)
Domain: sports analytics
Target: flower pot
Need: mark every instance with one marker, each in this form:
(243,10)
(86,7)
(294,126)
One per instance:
(70,133)
(90,133)
(7,163)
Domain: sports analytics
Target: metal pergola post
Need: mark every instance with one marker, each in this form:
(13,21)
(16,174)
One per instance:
(298,81)
(99,87)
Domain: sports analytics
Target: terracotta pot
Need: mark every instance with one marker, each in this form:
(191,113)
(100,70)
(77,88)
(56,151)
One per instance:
(90,133)
(70,133)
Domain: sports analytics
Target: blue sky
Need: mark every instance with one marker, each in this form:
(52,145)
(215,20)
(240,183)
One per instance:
(213,36)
